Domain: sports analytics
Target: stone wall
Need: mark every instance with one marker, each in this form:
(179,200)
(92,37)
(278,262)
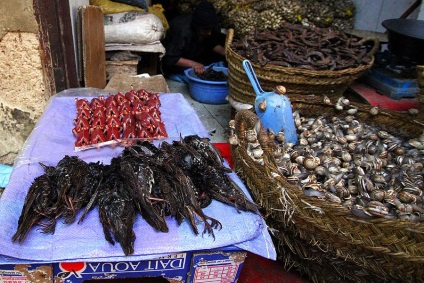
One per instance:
(23,94)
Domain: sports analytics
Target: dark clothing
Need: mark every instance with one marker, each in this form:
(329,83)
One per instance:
(182,41)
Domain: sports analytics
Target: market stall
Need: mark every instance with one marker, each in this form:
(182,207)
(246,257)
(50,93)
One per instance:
(52,139)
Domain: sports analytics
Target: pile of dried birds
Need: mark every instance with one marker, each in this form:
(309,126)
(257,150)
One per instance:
(177,179)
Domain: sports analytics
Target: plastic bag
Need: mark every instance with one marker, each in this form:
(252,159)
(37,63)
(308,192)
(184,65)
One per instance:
(158,10)
(133,28)
(109,7)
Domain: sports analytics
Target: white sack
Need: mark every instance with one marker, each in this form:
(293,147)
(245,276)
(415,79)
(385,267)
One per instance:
(133,28)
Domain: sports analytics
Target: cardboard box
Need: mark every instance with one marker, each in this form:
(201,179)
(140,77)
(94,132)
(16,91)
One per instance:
(218,266)
(26,273)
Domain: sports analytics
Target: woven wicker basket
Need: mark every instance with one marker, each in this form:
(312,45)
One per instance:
(323,239)
(296,81)
(420,81)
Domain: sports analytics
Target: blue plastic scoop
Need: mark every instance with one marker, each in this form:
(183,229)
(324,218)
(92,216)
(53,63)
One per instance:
(273,109)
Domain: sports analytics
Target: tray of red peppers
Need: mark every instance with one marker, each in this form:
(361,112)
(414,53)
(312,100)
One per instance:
(117,118)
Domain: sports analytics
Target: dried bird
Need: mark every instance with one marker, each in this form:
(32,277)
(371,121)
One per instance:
(39,203)
(69,176)
(117,212)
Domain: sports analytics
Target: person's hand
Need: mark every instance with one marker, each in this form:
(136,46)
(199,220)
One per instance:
(198,68)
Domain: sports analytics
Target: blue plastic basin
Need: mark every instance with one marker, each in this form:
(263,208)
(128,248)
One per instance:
(209,92)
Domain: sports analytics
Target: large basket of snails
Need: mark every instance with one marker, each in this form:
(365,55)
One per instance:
(345,203)
(305,60)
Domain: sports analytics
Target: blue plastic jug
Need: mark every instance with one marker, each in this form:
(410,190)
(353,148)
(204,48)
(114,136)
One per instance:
(273,109)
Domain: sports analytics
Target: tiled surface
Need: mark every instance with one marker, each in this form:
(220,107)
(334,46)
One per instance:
(214,117)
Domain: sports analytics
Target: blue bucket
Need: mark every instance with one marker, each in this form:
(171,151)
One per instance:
(209,92)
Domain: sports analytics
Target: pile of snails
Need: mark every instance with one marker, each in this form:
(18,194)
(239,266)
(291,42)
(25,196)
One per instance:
(247,16)
(342,160)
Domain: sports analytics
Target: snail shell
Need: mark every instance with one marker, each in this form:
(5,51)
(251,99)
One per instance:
(378,178)
(407,197)
(405,208)
(390,194)
(257,152)
(251,136)
(351,146)
(373,137)
(262,105)
(352,111)
(413,190)
(417,144)
(377,208)
(281,89)
(233,140)
(378,195)
(374,110)
(346,165)
(346,156)
(311,162)
(320,170)
(343,101)
(371,149)
(341,139)
(351,137)
(383,134)
(294,154)
(342,192)
(338,107)
(399,160)
(271,134)
(280,137)
(413,111)
(399,151)
(327,100)
(384,154)
(353,189)
(418,166)
(306,133)
(293,180)
(332,198)
(349,118)
(303,141)
(300,159)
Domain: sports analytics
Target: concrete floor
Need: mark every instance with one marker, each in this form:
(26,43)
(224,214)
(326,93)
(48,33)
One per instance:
(214,117)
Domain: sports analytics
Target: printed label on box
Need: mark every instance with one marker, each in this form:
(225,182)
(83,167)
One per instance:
(216,273)
(25,273)
(218,267)
(162,266)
